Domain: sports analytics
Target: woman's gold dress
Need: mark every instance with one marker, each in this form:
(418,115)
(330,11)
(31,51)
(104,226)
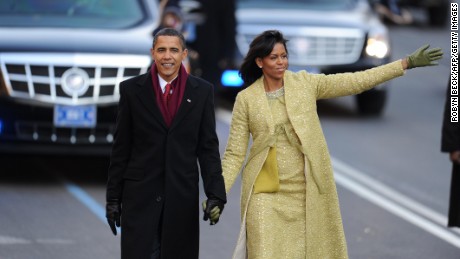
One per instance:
(276,221)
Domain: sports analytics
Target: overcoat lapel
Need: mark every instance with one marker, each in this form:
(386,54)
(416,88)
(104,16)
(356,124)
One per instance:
(290,93)
(147,97)
(188,101)
(265,108)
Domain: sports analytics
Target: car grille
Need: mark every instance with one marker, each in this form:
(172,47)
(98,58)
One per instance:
(69,79)
(314,46)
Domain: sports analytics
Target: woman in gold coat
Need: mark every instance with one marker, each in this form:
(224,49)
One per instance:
(289,203)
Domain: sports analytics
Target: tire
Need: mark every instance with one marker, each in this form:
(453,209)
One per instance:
(438,15)
(371,103)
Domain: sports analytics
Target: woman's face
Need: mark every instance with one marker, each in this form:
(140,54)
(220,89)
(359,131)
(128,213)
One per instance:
(274,65)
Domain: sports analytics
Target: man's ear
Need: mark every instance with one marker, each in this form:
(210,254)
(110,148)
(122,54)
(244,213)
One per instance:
(184,54)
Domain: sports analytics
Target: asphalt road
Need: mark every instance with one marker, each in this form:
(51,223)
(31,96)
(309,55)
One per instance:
(392,180)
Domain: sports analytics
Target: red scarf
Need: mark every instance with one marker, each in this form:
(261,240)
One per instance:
(178,86)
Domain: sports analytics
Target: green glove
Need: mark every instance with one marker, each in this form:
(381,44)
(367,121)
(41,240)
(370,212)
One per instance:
(424,57)
(212,209)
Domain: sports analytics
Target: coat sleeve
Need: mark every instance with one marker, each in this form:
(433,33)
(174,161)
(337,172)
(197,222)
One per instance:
(342,84)
(208,152)
(237,145)
(450,137)
(121,148)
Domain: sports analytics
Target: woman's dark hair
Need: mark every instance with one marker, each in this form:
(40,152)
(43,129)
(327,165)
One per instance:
(260,47)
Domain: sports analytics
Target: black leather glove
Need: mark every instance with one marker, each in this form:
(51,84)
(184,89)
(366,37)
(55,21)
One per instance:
(212,209)
(113,214)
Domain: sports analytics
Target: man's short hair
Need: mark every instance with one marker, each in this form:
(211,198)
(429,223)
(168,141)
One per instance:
(169,32)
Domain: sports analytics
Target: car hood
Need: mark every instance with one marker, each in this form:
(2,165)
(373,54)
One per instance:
(129,41)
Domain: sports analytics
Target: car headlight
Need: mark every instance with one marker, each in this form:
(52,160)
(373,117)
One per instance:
(377,44)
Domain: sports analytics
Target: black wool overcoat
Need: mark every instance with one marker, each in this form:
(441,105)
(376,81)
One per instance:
(154,170)
(450,141)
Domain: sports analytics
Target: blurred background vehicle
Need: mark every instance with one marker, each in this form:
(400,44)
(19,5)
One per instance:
(61,63)
(437,11)
(324,37)
(391,12)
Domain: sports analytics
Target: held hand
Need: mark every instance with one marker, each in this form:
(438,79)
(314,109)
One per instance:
(113,214)
(455,157)
(212,209)
(424,57)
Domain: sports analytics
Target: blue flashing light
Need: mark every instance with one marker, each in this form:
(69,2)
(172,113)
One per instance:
(231,78)
(1,126)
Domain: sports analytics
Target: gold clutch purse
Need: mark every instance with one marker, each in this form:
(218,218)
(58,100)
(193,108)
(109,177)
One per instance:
(267,180)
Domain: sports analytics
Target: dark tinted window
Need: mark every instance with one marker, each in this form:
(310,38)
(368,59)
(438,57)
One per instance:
(71,13)
(297,4)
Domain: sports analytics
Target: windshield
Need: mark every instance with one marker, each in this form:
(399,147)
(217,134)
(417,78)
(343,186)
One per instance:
(112,14)
(297,4)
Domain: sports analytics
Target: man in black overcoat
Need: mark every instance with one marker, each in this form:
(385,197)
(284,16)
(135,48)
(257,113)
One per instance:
(165,137)
(450,143)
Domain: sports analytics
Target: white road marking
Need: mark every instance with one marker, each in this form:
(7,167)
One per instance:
(54,241)
(9,240)
(376,186)
(368,193)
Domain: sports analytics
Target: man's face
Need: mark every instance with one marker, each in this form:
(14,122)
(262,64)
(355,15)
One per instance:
(168,56)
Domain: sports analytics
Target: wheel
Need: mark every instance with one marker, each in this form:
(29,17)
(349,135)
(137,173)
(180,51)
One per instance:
(372,102)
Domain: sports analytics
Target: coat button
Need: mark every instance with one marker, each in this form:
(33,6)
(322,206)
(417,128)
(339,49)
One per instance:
(158,198)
